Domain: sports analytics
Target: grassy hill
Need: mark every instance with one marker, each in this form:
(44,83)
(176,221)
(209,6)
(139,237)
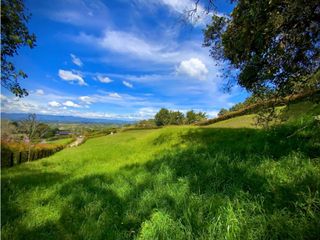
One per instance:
(292,113)
(171,183)
(246,121)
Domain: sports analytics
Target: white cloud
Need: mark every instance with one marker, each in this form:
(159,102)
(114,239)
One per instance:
(147,112)
(39,92)
(127,84)
(130,47)
(212,114)
(114,95)
(86,99)
(199,16)
(71,77)
(129,44)
(71,104)
(104,79)
(93,14)
(193,67)
(77,61)
(54,104)
(179,5)
(3,97)
(124,42)
(136,108)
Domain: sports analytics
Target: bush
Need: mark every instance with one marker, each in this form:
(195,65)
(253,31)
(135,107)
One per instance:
(13,153)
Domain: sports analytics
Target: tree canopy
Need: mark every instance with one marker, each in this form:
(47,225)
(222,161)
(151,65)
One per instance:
(169,117)
(274,43)
(14,35)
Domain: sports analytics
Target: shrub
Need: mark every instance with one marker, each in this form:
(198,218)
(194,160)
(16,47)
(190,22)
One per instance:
(13,153)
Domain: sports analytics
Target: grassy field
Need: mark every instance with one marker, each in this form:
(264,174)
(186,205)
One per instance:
(62,141)
(293,113)
(171,183)
(246,121)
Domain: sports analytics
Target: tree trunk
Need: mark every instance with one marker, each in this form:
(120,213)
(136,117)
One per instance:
(29,152)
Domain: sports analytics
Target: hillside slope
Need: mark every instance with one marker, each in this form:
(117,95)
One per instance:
(293,113)
(171,183)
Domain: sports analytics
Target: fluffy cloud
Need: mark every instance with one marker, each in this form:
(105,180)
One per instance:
(193,68)
(124,42)
(103,79)
(129,44)
(130,47)
(200,14)
(127,84)
(114,95)
(147,112)
(77,61)
(54,104)
(71,104)
(86,99)
(180,6)
(3,97)
(39,92)
(71,76)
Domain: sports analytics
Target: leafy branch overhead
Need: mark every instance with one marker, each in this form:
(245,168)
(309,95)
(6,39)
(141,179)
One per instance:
(274,43)
(14,35)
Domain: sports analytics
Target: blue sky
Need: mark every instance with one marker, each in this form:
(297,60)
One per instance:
(119,59)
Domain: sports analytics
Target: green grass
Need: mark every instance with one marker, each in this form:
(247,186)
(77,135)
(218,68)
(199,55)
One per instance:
(246,121)
(293,113)
(171,183)
(62,141)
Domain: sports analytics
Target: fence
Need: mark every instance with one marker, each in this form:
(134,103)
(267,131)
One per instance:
(15,153)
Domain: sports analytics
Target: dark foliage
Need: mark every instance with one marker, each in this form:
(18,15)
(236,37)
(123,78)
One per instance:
(14,35)
(275,44)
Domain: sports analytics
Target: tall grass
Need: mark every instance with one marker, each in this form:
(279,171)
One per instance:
(171,183)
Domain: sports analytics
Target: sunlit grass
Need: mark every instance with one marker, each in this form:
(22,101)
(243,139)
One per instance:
(246,121)
(62,141)
(170,183)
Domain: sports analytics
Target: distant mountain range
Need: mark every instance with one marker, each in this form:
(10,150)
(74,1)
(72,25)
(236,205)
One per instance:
(62,119)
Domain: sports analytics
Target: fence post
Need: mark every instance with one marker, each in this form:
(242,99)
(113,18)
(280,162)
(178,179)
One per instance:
(11,159)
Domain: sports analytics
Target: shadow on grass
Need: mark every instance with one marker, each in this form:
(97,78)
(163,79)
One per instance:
(13,185)
(236,181)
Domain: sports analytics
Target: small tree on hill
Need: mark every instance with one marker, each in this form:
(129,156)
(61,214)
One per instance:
(200,116)
(162,117)
(176,118)
(34,131)
(222,112)
(191,117)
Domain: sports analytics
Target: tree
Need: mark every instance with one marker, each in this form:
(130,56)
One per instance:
(162,117)
(34,130)
(193,117)
(176,118)
(200,116)
(222,112)
(150,123)
(274,43)
(14,35)
(8,130)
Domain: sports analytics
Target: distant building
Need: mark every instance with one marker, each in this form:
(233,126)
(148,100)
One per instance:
(63,133)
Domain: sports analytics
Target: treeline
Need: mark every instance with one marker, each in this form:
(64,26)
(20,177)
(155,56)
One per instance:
(168,117)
